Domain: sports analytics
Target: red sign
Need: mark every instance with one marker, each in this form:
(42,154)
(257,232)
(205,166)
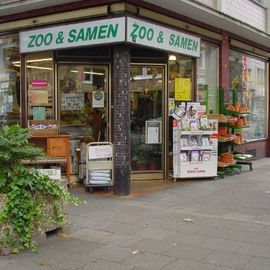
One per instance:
(214,136)
(175,123)
(39,83)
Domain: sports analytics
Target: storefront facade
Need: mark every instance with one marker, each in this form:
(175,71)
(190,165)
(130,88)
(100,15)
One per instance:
(115,77)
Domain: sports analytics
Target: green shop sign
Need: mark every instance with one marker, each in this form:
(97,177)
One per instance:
(152,35)
(73,35)
(109,31)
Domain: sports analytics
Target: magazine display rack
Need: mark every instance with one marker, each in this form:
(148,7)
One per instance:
(195,144)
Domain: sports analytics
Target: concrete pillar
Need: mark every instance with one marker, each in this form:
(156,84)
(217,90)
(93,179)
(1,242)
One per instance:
(121,118)
(224,75)
(224,66)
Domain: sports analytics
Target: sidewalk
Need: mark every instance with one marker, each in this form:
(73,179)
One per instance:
(219,224)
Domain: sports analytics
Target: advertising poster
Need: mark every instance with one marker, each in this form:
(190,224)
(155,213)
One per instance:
(38,113)
(98,99)
(182,89)
(153,132)
(72,102)
(39,97)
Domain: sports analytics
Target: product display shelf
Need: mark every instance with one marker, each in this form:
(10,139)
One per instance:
(234,129)
(243,159)
(195,153)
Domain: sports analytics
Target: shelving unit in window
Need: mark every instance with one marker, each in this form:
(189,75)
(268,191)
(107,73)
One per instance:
(236,120)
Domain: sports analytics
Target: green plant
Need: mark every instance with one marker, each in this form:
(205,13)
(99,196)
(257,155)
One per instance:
(145,151)
(27,192)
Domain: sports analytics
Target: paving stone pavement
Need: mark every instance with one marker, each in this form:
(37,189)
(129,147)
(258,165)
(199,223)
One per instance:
(221,224)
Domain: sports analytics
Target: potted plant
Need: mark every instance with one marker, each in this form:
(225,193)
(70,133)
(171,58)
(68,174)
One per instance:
(141,164)
(30,200)
(144,152)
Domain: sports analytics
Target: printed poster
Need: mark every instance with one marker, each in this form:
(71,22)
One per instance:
(153,132)
(38,113)
(39,97)
(182,89)
(98,99)
(72,102)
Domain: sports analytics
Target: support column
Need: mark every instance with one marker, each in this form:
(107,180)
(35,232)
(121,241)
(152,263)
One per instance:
(224,75)
(121,118)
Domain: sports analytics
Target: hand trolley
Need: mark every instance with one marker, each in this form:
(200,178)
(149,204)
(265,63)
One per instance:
(99,165)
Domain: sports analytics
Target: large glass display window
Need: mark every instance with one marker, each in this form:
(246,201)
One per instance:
(207,77)
(40,86)
(10,110)
(180,84)
(180,87)
(248,75)
(146,107)
(83,101)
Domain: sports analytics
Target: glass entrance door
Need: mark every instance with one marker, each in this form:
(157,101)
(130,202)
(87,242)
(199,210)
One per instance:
(83,101)
(146,102)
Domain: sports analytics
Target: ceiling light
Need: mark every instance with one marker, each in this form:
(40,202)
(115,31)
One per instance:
(33,60)
(172,57)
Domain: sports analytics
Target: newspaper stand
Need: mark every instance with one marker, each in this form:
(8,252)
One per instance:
(99,165)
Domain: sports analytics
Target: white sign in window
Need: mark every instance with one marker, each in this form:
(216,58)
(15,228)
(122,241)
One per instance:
(153,132)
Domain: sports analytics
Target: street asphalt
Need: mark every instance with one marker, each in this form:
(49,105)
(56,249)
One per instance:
(221,224)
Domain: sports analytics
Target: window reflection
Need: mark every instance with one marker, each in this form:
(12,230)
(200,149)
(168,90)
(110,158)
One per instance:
(248,75)
(207,75)
(40,86)
(147,86)
(83,101)
(9,80)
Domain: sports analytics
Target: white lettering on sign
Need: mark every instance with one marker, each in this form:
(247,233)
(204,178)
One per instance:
(73,35)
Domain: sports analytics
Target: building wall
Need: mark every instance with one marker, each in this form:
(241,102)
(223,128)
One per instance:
(268,16)
(245,11)
(209,3)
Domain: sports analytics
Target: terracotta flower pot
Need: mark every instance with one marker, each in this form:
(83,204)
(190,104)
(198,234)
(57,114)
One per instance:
(5,251)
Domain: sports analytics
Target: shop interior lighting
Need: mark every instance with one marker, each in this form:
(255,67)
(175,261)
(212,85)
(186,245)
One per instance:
(172,57)
(33,60)
(94,73)
(88,72)
(35,67)
(145,77)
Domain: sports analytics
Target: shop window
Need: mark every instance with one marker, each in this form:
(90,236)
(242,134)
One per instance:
(83,92)
(180,86)
(180,67)
(9,80)
(40,86)
(146,95)
(207,75)
(248,75)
